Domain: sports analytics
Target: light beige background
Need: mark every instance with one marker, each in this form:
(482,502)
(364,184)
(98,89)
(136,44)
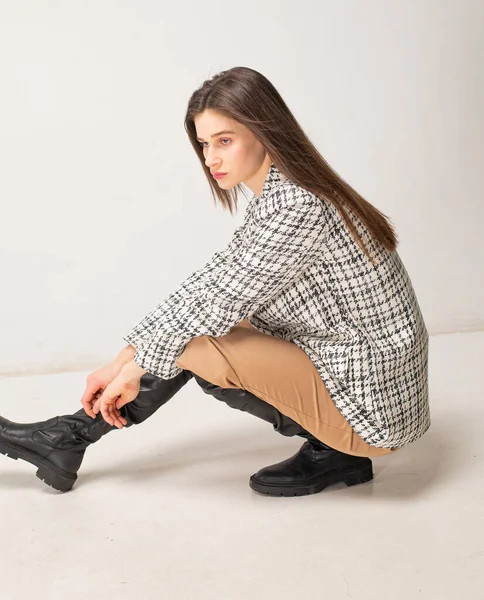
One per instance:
(104,206)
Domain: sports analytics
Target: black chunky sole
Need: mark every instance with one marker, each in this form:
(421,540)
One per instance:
(46,472)
(317,484)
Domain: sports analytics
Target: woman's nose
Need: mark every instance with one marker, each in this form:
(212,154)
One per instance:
(210,158)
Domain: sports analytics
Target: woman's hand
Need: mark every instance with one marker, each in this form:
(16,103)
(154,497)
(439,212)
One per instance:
(123,389)
(100,379)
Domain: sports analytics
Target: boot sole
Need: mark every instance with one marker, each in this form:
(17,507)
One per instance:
(46,472)
(352,477)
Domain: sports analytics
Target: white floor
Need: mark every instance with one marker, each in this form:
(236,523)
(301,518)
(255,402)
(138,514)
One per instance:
(164,509)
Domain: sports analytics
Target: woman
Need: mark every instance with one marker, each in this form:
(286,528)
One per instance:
(307,319)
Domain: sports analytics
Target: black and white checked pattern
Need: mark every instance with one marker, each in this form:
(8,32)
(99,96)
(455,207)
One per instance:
(296,272)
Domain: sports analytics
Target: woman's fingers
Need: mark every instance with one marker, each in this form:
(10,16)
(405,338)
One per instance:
(112,414)
(87,393)
(96,405)
(87,401)
(106,412)
(118,420)
(118,389)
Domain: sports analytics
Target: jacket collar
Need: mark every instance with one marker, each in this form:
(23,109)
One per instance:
(273,178)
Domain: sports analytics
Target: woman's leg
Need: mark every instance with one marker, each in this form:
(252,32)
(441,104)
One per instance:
(281,374)
(276,381)
(57,446)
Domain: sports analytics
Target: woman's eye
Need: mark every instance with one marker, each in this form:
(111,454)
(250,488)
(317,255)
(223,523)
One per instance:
(202,144)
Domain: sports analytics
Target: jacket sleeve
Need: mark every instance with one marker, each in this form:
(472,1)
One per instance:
(142,332)
(288,238)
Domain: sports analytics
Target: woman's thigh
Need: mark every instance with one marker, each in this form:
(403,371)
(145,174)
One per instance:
(280,373)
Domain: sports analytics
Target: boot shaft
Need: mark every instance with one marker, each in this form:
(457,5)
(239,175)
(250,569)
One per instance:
(57,445)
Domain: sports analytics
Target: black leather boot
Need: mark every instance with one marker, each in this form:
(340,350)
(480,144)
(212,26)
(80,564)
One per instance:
(314,467)
(57,446)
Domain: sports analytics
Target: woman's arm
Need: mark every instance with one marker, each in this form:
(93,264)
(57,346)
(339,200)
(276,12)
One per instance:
(142,332)
(289,237)
(126,355)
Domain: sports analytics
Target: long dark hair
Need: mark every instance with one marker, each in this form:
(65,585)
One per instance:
(246,96)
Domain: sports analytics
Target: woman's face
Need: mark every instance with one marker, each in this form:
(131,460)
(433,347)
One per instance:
(236,151)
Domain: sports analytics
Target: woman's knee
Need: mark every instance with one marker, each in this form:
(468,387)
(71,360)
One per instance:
(202,357)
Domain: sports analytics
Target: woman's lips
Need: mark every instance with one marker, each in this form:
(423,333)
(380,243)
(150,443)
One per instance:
(219,175)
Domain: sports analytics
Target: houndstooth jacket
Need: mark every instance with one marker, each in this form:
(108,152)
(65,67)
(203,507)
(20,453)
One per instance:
(294,270)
